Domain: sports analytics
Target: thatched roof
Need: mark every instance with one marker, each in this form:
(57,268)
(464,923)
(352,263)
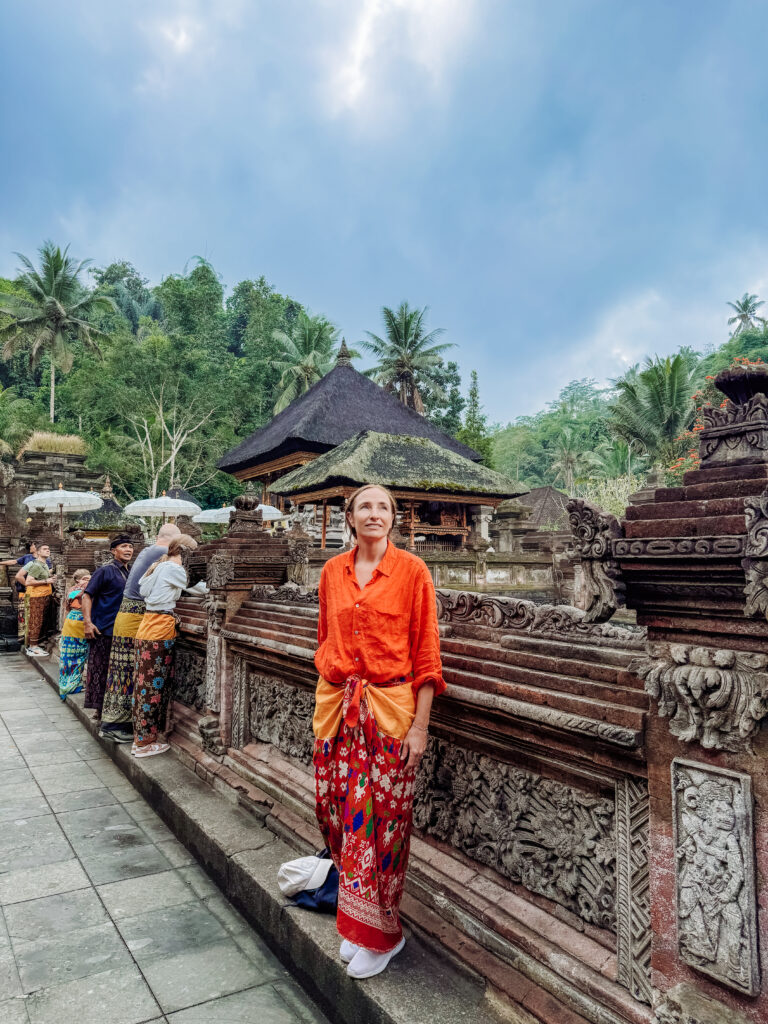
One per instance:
(549,508)
(402,463)
(338,407)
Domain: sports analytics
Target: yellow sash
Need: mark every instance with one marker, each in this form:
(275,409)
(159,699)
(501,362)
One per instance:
(393,708)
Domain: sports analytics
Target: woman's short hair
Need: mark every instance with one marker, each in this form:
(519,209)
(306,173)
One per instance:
(79,573)
(178,544)
(350,506)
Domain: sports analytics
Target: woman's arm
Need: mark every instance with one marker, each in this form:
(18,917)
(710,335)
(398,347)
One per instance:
(415,742)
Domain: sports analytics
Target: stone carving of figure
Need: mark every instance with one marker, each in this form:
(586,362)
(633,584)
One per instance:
(711,879)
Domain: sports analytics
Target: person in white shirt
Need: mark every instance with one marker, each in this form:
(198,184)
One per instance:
(160,587)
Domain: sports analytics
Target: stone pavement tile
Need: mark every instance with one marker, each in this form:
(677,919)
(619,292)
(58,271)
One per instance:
(22,787)
(10,985)
(260,1005)
(107,772)
(178,855)
(122,790)
(157,934)
(52,779)
(17,703)
(39,758)
(84,798)
(13,807)
(300,1003)
(133,895)
(51,915)
(34,742)
(246,938)
(5,939)
(195,977)
(195,877)
(157,831)
(75,954)
(86,822)
(51,849)
(12,776)
(113,997)
(139,809)
(26,723)
(11,758)
(46,880)
(128,863)
(125,836)
(13,1011)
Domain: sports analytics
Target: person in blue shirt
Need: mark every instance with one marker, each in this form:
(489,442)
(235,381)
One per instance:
(101,603)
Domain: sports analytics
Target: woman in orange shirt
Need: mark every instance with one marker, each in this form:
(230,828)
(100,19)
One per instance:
(379,665)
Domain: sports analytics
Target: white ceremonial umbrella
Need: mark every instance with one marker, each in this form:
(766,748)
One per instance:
(214,515)
(61,500)
(162,506)
(270,513)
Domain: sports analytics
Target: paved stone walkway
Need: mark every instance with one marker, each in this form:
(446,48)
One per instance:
(104,915)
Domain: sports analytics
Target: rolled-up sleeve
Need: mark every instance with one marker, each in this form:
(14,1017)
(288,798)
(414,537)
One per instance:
(425,636)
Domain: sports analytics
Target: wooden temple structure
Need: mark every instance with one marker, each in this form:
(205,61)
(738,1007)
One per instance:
(435,488)
(337,408)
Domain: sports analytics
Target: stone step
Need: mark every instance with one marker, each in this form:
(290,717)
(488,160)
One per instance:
(721,506)
(533,659)
(299,627)
(299,611)
(246,627)
(564,681)
(615,656)
(706,526)
(541,696)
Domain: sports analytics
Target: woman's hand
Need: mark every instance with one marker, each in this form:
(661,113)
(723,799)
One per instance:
(414,745)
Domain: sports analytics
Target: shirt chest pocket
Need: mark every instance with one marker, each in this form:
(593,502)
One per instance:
(387,628)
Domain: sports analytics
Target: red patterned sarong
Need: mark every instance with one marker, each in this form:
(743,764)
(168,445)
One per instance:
(364,809)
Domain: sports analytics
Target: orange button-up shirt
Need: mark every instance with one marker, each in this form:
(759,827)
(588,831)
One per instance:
(387,630)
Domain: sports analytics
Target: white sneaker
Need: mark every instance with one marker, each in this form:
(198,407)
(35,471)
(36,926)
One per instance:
(366,964)
(37,652)
(347,950)
(150,750)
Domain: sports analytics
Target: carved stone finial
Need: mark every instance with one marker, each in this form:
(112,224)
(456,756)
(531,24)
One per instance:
(106,492)
(592,531)
(343,358)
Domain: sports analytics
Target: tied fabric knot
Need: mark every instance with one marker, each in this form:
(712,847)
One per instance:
(354,691)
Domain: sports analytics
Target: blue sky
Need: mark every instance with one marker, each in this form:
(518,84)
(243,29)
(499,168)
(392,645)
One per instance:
(569,186)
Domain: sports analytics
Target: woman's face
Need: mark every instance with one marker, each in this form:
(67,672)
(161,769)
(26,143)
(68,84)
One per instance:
(371,515)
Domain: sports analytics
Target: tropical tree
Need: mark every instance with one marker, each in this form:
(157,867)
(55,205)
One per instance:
(15,420)
(571,463)
(653,406)
(305,355)
(745,313)
(407,357)
(54,310)
(618,458)
(475,432)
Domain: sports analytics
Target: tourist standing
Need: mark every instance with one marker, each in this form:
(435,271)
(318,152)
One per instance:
(161,587)
(35,576)
(101,602)
(73,647)
(379,665)
(116,714)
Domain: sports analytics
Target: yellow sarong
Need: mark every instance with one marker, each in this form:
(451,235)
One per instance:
(393,708)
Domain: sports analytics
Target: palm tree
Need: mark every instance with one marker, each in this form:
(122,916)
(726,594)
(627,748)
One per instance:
(305,355)
(407,357)
(745,310)
(653,406)
(618,458)
(15,420)
(54,309)
(570,463)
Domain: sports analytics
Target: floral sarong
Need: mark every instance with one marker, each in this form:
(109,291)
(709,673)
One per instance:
(118,697)
(153,678)
(36,605)
(73,654)
(364,809)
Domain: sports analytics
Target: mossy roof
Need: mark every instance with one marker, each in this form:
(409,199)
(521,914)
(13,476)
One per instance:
(338,407)
(549,507)
(393,460)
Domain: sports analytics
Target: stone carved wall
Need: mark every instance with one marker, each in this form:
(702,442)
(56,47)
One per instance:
(633,902)
(584,851)
(715,873)
(593,531)
(713,695)
(755,562)
(189,677)
(734,432)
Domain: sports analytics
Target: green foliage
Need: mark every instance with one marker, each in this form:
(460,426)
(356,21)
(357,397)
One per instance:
(444,409)
(745,313)
(304,356)
(475,432)
(407,357)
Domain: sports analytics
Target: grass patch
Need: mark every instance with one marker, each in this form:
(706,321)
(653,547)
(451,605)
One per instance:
(64,444)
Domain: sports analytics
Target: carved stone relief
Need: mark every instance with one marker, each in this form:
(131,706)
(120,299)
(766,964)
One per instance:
(221,569)
(678,547)
(189,677)
(734,431)
(215,611)
(240,700)
(713,695)
(633,908)
(592,531)
(281,715)
(755,562)
(715,873)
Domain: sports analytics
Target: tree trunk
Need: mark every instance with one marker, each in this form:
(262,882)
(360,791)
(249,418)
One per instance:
(53,388)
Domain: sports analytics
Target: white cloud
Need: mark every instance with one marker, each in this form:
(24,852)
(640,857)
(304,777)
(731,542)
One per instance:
(425,35)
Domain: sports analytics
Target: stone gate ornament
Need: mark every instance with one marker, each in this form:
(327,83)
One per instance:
(592,532)
(755,562)
(221,569)
(712,820)
(713,695)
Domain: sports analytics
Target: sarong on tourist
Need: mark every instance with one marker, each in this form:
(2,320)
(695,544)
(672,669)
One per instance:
(365,802)
(118,696)
(73,652)
(96,678)
(153,679)
(36,602)
(21,600)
